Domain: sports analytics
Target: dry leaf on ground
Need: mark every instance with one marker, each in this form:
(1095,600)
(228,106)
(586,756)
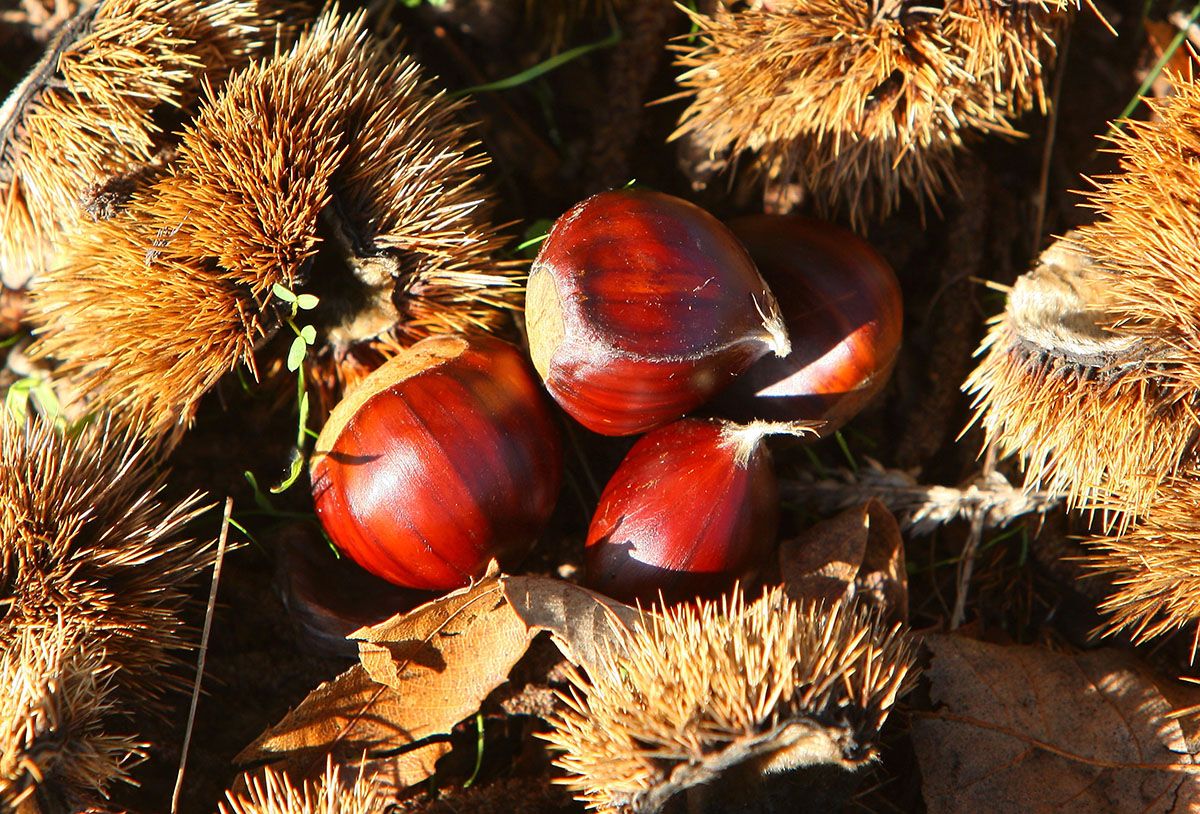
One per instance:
(582,623)
(1024,729)
(422,672)
(858,553)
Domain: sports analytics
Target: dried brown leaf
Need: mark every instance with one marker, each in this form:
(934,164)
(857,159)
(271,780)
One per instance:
(423,672)
(1026,729)
(582,623)
(348,717)
(859,553)
(447,655)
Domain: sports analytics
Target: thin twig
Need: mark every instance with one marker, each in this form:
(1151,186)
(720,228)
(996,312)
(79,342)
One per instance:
(208,617)
(921,509)
(1039,220)
(966,563)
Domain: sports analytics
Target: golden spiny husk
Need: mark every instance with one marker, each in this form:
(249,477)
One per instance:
(1155,566)
(849,92)
(1087,408)
(92,564)
(91,108)
(335,136)
(1145,234)
(56,699)
(1149,214)
(691,683)
(272,792)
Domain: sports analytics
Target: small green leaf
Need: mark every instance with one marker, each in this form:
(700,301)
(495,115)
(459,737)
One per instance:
(47,399)
(309,334)
(243,530)
(307,302)
(542,68)
(296,353)
(283,292)
(294,470)
(259,498)
(16,401)
(537,232)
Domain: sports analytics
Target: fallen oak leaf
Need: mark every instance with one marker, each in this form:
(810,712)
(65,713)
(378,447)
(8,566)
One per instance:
(857,554)
(422,672)
(1026,729)
(439,650)
(583,624)
(349,718)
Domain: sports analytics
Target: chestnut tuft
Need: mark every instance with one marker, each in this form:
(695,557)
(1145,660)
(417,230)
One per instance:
(444,458)
(692,509)
(641,306)
(844,314)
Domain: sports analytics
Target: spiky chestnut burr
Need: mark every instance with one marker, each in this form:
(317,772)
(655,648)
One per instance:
(272,792)
(1148,215)
(333,168)
(1086,407)
(96,104)
(1155,566)
(642,306)
(56,702)
(443,459)
(723,688)
(861,101)
(92,567)
(844,313)
(692,509)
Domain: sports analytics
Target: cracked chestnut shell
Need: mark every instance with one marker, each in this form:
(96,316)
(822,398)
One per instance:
(692,508)
(640,307)
(445,457)
(844,313)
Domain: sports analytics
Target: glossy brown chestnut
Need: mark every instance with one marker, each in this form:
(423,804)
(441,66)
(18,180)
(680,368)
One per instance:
(445,457)
(640,307)
(844,314)
(693,508)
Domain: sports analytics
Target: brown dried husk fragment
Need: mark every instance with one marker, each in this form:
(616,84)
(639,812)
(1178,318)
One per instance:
(862,101)
(334,168)
(702,691)
(1088,408)
(92,564)
(93,108)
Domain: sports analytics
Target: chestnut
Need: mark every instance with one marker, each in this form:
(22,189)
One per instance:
(844,314)
(445,457)
(640,307)
(692,508)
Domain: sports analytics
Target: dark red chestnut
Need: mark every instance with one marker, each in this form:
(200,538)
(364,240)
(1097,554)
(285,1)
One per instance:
(692,508)
(640,307)
(844,314)
(445,457)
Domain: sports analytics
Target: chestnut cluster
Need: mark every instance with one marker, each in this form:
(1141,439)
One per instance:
(640,308)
